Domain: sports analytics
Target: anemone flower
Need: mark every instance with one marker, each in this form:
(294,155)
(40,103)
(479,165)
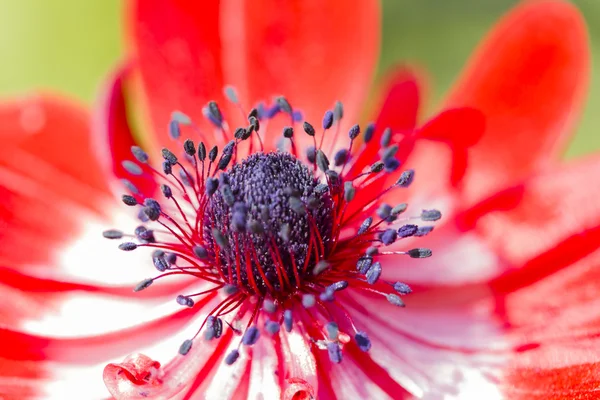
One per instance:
(283,236)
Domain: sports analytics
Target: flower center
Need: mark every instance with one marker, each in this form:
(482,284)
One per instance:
(257,226)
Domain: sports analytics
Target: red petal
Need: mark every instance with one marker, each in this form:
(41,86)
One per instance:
(528,78)
(556,222)
(114,135)
(179,57)
(313,52)
(556,324)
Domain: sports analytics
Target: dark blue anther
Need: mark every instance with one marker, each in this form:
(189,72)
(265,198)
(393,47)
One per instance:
(371,251)
(395,300)
(220,239)
(224,161)
(384,211)
(297,206)
(322,161)
(373,273)
(212,184)
(184,301)
(213,114)
(272,327)
(389,236)
(174,129)
(152,213)
(189,147)
(406,178)
(167,168)
(288,322)
(363,341)
(321,267)
(180,117)
(132,168)
(159,261)
(213,153)
(169,156)
(391,164)
(230,289)
(254,112)
(389,152)
(398,209)
(402,288)
(386,137)
(335,352)
(149,202)
(363,264)
(143,285)
(419,253)
(311,154)
(227,194)
(232,357)
(112,234)
(423,231)
(231,94)
(339,285)
(369,131)
(327,119)
(171,258)
(407,230)
(354,132)
(139,154)
(430,215)
(377,167)
(308,128)
(200,252)
(128,246)
(366,224)
(185,347)
(239,133)
(288,132)
(272,111)
(340,157)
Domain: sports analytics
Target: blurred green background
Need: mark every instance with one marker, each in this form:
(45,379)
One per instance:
(69,45)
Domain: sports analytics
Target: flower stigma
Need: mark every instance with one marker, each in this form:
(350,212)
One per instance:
(279,237)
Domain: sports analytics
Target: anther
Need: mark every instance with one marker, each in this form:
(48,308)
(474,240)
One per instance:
(166,191)
(251,336)
(112,234)
(322,161)
(402,288)
(339,285)
(369,131)
(308,128)
(321,267)
(184,301)
(363,341)
(231,94)
(139,154)
(377,167)
(407,230)
(269,306)
(386,137)
(232,357)
(159,261)
(169,156)
(200,252)
(220,239)
(272,327)
(333,330)
(354,132)
(288,132)
(384,211)
(406,178)
(366,224)
(335,352)
(327,119)
(398,209)
(180,117)
(201,151)
(128,246)
(373,273)
(212,184)
(174,129)
(338,111)
(212,154)
(283,104)
(395,300)
(327,295)
(129,200)
(430,215)
(423,231)
(167,168)
(189,147)
(308,300)
(340,157)
(349,191)
(185,347)
(287,320)
(212,112)
(230,289)
(419,253)
(363,264)
(143,285)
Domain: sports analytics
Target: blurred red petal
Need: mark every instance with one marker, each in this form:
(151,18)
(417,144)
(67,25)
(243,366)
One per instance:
(312,52)
(114,136)
(529,78)
(179,57)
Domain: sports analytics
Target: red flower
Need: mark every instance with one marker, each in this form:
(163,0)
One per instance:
(505,308)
